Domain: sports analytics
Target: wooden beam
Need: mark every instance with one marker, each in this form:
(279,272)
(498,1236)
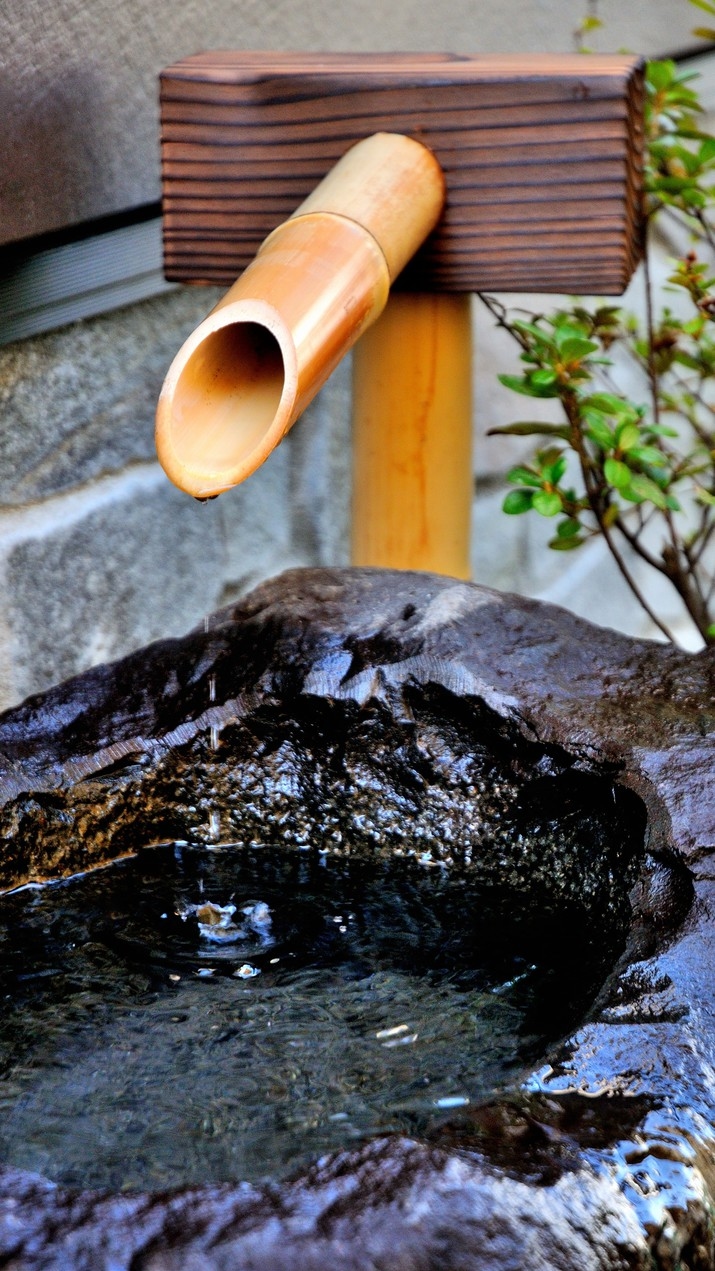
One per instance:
(542,157)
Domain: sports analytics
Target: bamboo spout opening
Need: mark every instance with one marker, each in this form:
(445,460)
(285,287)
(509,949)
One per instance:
(319,280)
(225,402)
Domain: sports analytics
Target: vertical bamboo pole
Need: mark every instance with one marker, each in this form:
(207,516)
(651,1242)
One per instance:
(412,436)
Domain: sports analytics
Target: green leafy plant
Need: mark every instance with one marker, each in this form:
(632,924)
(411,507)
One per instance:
(589,23)
(638,471)
(705,32)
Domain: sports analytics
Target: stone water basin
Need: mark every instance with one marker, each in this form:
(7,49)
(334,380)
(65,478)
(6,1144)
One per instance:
(138,1053)
(466,1019)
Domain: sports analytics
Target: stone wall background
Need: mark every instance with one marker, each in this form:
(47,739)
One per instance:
(78,93)
(98,553)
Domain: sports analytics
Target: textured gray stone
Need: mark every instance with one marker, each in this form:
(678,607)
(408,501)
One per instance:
(144,562)
(112,553)
(321,473)
(138,561)
(501,545)
(256,524)
(79,403)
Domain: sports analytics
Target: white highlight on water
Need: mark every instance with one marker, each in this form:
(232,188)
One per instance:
(246,972)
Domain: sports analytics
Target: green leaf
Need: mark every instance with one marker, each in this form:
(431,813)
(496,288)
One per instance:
(686,359)
(546,503)
(568,528)
(643,488)
(565,329)
(704,496)
(617,474)
(544,377)
(608,403)
(661,74)
(598,430)
(517,501)
(649,455)
(531,428)
(661,430)
(545,458)
(695,198)
(524,386)
(565,544)
(706,5)
(627,436)
(575,349)
(672,185)
(530,328)
(553,472)
(704,32)
(524,476)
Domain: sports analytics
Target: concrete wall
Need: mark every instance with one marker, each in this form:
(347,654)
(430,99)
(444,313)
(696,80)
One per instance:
(78,93)
(98,553)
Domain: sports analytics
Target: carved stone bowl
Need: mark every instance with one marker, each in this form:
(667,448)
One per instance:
(370,710)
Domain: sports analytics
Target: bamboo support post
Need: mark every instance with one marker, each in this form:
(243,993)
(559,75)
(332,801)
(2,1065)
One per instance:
(412,436)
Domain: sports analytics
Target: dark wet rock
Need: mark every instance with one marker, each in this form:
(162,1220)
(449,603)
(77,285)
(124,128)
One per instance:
(388,712)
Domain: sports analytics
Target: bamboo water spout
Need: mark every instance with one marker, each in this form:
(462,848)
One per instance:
(320,279)
(542,160)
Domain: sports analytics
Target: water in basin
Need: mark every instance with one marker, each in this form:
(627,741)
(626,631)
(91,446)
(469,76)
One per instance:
(200,1014)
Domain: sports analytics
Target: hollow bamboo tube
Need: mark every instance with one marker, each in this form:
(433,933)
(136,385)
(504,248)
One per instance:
(248,371)
(412,436)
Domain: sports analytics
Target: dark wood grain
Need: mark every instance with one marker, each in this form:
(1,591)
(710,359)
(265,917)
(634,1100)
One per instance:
(542,156)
